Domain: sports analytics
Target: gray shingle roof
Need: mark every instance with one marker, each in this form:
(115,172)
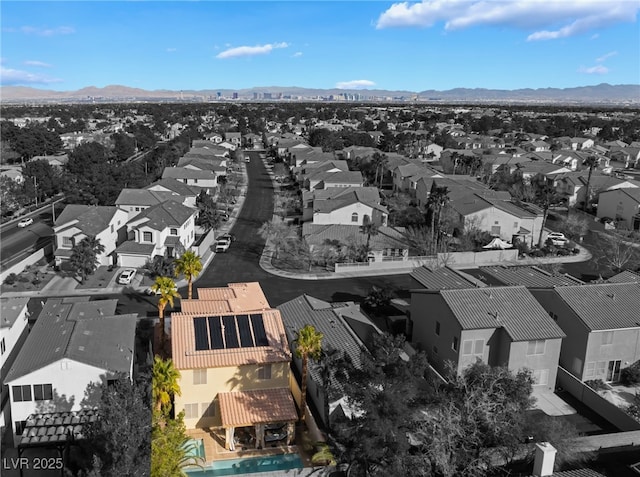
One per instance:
(87,332)
(529,277)
(512,308)
(440,278)
(186,173)
(92,219)
(604,306)
(145,197)
(166,214)
(176,186)
(10,309)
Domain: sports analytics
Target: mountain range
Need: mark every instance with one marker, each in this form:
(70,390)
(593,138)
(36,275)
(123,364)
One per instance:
(601,93)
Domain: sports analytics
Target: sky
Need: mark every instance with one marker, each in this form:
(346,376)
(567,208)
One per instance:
(403,46)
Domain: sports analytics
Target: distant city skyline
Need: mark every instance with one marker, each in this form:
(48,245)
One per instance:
(436,44)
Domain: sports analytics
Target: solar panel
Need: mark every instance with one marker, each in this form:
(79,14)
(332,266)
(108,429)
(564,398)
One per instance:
(200,327)
(258,330)
(230,333)
(215,332)
(246,340)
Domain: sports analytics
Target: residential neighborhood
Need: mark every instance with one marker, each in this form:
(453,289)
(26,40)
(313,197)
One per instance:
(279,287)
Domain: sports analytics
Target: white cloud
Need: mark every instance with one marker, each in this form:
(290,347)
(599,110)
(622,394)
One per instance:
(40,64)
(10,76)
(250,50)
(606,56)
(555,18)
(355,84)
(63,30)
(297,54)
(594,70)
(171,50)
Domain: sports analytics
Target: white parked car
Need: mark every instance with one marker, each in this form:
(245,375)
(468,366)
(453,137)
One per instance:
(223,244)
(25,222)
(557,238)
(126,276)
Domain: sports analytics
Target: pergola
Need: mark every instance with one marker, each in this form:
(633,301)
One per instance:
(54,430)
(257,408)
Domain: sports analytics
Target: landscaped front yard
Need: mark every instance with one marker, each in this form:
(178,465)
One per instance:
(33,278)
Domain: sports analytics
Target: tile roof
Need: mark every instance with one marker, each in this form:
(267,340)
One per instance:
(351,177)
(307,310)
(440,278)
(529,276)
(163,215)
(91,219)
(349,197)
(11,309)
(135,248)
(185,355)
(604,306)
(625,276)
(187,173)
(512,308)
(247,408)
(87,332)
(239,297)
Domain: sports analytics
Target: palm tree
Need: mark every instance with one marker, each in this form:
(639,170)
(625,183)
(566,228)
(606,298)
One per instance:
(166,288)
(380,161)
(190,265)
(308,344)
(164,384)
(438,198)
(369,228)
(591,162)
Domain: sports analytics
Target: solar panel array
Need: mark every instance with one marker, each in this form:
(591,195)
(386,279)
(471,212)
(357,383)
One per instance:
(229,332)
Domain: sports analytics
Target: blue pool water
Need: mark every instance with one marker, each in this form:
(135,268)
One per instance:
(247,466)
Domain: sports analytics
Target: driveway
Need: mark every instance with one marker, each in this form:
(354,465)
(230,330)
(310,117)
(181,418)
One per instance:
(241,262)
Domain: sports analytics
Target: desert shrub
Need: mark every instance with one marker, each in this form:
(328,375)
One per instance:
(523,247)
(11,279)
(630,376)
(36,281)
(597,384)
(323,455)
(23,279)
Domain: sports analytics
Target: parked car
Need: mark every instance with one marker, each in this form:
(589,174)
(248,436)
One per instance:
(126,276)
(558,238)
(223,244)
(227,236)
(224,216)
(25,222)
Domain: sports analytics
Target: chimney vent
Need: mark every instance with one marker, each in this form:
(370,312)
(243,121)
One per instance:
(544,460)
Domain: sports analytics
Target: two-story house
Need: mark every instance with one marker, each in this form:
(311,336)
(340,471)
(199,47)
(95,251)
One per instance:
(622,205)
(602,327)
(73,344)
(502,326)
(189,193)
(105,223)
(207,180)
(135,201)
(344,205)
(324,180)
(232,352)
(166,229)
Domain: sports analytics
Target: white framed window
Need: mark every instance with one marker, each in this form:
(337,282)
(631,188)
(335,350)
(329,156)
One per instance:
(541,377)
(191,411)
(3,346)
(199,376)
(173,231)
(478,347)
(607,337)
(354,217)
(601,368)
(467,347)
(147,236)
(590,370)
(535,347)
(67,241)
(264,372)
(473,348)
(42,392)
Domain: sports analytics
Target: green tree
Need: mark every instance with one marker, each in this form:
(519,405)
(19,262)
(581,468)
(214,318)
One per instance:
(41,180)
(307,344)
(438,199)
(166,288)
(276,231)
(545,196)
(590,163)
(124,146)
(164,385)
(120,440)
(171,448)
(189,265)
(380,161)
(84,256)
(370,229)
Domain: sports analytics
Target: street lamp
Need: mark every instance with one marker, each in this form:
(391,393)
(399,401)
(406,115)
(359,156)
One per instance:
(35,186)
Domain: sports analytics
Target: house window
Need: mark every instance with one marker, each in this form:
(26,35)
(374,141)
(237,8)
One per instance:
(195,181)
(435,349)
(42,392)
(191,411)
(438,328)
(67,241)
(173,231)
(354,217)
(535,347)
(454,344)
(208,409)
(601,367)
(199,376)
(3,346)
(111,228)
(20,425)
(21,393)
(590,370)
(515,225)
(137,209)
(147,236)
(264,372)
(473,348)
(607,337)
(541,377)
(553,315)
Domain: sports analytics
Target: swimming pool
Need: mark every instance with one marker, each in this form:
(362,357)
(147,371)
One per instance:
(247,466)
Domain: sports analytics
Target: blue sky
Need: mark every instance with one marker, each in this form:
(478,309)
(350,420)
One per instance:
(411,46)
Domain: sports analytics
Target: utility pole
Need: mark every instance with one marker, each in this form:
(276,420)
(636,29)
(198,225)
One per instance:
(35,186)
